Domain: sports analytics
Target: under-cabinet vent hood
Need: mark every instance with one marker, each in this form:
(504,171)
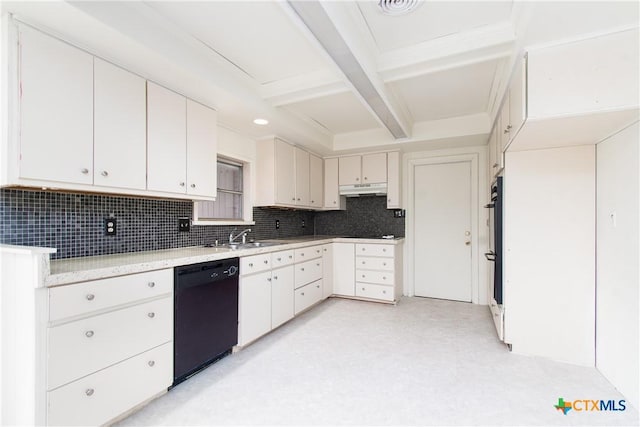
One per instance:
(356,190)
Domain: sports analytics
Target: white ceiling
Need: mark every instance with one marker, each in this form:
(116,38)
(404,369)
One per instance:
(440,70)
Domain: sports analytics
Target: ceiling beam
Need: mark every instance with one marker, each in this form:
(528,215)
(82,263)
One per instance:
(333,27)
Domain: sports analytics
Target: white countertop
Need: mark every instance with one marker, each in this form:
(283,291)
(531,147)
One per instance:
(72,270)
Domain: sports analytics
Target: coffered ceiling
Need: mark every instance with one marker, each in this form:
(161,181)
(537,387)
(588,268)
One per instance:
(432,77)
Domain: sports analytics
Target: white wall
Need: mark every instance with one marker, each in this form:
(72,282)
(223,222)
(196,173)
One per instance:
(549,253)
(480,229)
(617,286)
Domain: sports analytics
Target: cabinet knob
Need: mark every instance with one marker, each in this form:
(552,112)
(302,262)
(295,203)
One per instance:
(363,289)
(193,186)
(317,251)
(313,201)
(363,262)
(298,198)
(290,256)
(294,199)
(182,184)
(363,276)
(275,277)
(151,363)
(89,392)
(334,202)
(365,178)
(389,200)
(88,334)
(357,179)
(151,284)
(384,292)
(318,286)
(384,278)
(302,293)
(268,279)
(266,261)
(90,297)
(508,127)
(302,254)
(363,249)
(302,269)
(250,264)
(318,264)
(84,171)
(151,315)
(325,249)
(279,259)
(384,263)
(104,173)
(506,131)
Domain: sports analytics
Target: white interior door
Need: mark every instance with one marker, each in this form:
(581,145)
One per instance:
(442,248)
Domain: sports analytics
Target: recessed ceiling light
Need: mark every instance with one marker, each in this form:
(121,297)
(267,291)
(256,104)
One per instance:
(261,122)
(398,7)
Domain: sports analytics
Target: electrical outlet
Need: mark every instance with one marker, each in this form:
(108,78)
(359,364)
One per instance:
(398,213)
(303,223)
(184,224)
(277,224)
(110,226)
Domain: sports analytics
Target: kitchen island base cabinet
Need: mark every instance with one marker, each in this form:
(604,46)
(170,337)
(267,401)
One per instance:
(100,397)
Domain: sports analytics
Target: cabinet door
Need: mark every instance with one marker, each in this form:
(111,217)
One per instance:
(344,269)
(166,140)
(120,131)
(393,180)
(517,97)
(285,173)
(492,154)
(281,296)
(374,168)
(254,309)
(332,199)
(302,177)
(315,181)
(349,170)
(56,110)
(202,143)
(327,270)
(505,122)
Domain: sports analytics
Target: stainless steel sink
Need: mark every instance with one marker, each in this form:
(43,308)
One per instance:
(248,245)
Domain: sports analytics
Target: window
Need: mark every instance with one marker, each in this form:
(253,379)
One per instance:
(231,201)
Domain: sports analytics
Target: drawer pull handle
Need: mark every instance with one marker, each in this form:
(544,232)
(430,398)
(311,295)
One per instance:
(279,259)
(89,392)
(151,315)
(363,262)
(290,256)
(151,363)
(90,297)
(302,269)
(363,275)
(384,263)
(302,254)
(318,286)
(317,251)
(88,334)
(384,292)
(363,289)
(250,264)
(318,264)
(384,249)
(384,278)
(325,249)
(302,293)
(151,284)
(266,261)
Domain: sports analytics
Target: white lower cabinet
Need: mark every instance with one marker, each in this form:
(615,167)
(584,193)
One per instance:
(281,296)
(344,269)
(108,349)
(369,290)
(108,393)
(327,270)
(254,307)
(308,295)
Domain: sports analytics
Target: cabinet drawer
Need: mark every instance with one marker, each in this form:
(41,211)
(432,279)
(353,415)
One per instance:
(367,290)
(370,263)
(100,397)
(82,347)
(380,277)
(374,250)
(304,254)
(308,295)
(307,272)
(81,298)
(282,258)
(255,263)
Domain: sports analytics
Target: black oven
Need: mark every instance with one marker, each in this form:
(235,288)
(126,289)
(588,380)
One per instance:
(495,253)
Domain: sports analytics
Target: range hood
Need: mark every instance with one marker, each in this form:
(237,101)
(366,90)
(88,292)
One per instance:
(356,190)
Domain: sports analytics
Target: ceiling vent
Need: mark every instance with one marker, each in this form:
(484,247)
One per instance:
(398,7)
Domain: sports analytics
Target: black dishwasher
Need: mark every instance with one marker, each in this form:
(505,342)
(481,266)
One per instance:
(205,315)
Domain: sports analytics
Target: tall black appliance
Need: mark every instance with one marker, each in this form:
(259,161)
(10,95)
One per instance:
(495,255)
(205,315)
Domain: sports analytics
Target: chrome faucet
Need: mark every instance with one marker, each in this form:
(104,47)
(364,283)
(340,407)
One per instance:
(242,234)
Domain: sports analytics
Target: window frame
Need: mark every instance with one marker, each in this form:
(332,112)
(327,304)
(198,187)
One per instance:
(247,200)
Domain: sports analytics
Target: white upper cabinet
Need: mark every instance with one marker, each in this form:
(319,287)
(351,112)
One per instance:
(350,170)
(202,146)
(302,177)
(394,200)
(56,110)
(575,93)
(285,182)
(120,132)
(166,140)
(374,168)
(315,181)
(332,198)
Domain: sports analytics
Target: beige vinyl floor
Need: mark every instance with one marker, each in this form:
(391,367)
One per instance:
(421,362)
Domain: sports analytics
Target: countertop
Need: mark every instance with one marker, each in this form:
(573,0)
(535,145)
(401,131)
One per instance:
(72,270)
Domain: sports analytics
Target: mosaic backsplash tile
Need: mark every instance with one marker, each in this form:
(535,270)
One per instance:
(74,223)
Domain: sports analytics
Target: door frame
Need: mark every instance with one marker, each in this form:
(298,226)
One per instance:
(478,240)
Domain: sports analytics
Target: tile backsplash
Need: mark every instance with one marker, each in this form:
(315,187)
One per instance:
(74,223)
